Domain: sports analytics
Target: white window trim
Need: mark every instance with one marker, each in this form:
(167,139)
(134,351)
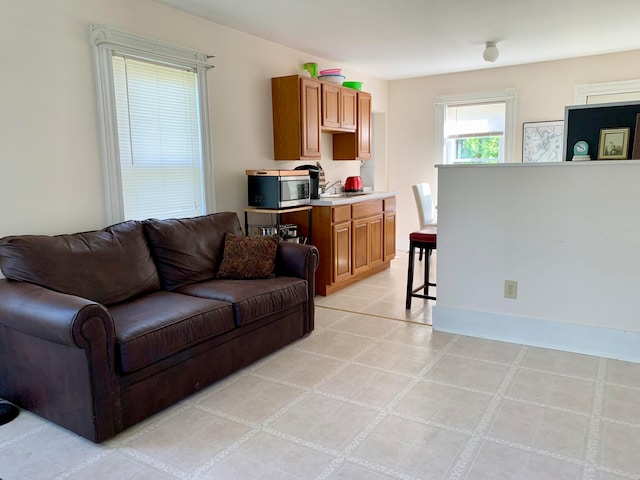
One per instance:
(583,92)
(508,96)
(105,41)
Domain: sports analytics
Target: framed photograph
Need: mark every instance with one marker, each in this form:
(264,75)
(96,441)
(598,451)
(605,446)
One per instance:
(614,143)
(542,141)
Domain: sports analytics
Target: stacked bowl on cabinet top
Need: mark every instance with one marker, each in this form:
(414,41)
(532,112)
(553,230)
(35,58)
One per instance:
(334,75)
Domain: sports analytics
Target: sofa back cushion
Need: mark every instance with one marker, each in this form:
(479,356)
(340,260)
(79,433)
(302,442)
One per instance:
(107,266)
(189,250)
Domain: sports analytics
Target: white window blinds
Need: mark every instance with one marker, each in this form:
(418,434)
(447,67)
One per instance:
(159,139)
(477,120)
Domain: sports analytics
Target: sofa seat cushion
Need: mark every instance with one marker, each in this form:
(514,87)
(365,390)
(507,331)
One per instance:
(161,324)
(106,266)
(252,299)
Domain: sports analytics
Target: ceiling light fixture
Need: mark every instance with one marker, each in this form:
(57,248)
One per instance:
(491,52)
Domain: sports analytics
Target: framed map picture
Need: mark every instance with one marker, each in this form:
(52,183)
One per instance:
(542,141)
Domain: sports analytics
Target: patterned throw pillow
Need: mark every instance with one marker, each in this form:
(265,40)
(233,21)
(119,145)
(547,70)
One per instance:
(248,257)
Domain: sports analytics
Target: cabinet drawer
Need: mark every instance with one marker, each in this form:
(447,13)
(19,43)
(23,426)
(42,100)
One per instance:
(366,209)
(341,214)
(389,204)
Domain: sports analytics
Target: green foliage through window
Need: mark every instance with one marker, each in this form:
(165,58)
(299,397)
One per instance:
(478,148)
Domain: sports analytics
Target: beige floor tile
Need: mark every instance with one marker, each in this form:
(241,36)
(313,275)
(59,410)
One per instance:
(350,471)
(419,336)
(539,427)
(300,368)
(269,457)
(623,373)
(335,344)
(217,432)
(415,449)
(446,405)
(610,476)
(622,404)
(483,349)
(326,421)
(24,423)
(121,467)
(251,398)
(363,384)
(403,359)
(44,454)
(557,361)
(365,325)
(394,309)
(620,447)
(555,390)
(325,317)
(500,462)
(470,373)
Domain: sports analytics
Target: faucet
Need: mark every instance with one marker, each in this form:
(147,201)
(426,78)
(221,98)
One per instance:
(327,187)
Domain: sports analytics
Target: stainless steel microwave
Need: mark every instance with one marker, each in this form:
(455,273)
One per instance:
(278,188)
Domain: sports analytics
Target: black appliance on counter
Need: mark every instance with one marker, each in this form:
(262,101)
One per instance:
(314,176)
(277,188)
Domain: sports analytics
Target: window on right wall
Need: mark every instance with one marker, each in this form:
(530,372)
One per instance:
(475,128)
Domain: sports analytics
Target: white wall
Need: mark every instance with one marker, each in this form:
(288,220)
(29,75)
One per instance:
(568,233)
(51,177)
(544,89)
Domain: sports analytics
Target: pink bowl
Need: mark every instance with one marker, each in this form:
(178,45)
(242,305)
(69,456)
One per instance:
(331,71)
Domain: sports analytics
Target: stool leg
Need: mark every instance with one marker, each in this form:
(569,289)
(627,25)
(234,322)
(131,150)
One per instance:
(427,257)
(412,247)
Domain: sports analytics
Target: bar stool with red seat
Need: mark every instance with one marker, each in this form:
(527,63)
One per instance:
(423,239)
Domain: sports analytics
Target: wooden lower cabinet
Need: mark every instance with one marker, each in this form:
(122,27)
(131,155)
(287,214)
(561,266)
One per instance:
(354,241)
(376,240)
(341,252)
(389,239)
(361,240)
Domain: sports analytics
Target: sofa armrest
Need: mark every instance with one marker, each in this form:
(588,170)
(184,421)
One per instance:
(301,261)
(297,260)
(50,315)
(57,358)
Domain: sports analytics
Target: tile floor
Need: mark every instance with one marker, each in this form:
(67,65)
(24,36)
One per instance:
(373,393)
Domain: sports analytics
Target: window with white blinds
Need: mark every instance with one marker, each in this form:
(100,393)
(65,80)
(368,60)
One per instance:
(475,128)
(153,105)
(159,139)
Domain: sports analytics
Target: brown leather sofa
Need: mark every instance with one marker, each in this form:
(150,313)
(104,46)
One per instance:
(99,330)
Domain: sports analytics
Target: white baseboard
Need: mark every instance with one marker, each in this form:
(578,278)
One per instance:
(603,342)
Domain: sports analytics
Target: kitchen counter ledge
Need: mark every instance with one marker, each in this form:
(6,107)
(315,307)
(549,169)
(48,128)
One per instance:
(346,200)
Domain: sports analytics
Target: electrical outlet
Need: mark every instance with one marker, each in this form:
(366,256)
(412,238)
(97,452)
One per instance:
(510,289)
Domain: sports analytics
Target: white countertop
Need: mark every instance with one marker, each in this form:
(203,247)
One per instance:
(350,198)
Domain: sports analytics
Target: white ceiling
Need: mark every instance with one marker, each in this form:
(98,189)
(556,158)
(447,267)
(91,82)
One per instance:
(393,39)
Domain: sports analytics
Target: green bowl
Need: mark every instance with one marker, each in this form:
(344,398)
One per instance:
(354,85)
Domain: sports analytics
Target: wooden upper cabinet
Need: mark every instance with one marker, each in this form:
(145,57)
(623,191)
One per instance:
(296,117)
(349,108)
(330,105)
(339,108)
(356,146)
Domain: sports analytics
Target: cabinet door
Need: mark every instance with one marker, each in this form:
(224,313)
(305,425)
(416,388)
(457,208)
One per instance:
(348,108)
(356,146)
(389,235)
(364,126)
(341,252)
(376,240)
(331,105)
(361,236)
(310,112)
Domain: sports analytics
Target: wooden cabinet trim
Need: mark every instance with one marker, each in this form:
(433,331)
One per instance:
(341,214)
(366,209)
